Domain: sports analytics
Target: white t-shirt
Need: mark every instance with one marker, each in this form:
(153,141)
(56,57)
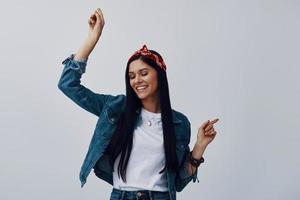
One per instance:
(147,157)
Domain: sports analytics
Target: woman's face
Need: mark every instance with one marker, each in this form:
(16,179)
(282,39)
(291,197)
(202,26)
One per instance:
(143,79)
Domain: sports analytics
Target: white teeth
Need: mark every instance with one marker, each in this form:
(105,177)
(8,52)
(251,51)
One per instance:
(141,88)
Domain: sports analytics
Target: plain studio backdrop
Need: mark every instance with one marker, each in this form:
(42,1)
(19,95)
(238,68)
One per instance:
(236,60)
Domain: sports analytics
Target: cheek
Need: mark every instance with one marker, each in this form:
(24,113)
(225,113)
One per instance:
(153,81)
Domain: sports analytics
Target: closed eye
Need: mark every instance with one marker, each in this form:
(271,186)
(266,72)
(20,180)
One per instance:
(143,73)
(131,77)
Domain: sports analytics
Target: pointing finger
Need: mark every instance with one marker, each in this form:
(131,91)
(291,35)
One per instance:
(209,125)
(214,121)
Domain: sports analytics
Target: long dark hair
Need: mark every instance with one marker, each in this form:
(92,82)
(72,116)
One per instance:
(121,141)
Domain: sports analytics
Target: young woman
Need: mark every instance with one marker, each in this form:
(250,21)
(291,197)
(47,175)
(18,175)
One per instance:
(140,144)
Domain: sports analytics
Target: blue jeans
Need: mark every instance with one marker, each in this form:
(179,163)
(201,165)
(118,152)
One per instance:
(138,195)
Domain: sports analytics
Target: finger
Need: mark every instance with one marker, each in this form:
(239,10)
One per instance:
(101,14)
(208,127)
(204,124)
(209,132)
(214,121)
(97,16)
(93,16)
(91,19)
(213,135)
(212,129)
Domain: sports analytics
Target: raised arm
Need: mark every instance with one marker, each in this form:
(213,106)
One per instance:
(74,66)
(96,24)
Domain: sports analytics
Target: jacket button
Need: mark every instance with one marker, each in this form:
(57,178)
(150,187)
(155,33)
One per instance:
(112,119)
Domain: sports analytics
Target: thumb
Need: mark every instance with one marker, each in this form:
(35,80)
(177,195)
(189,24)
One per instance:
(204,124)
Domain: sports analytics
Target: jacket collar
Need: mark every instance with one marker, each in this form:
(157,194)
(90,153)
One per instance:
(176,120)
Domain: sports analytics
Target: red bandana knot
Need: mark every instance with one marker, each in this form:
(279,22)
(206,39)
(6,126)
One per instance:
(145,52)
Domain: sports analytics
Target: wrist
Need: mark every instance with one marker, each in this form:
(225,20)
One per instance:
(195,161)
(86,48)
(92,38)
(198,150)
(91,42)
(201,144)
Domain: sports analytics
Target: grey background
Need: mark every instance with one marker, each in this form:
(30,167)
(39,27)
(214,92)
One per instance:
(235,60)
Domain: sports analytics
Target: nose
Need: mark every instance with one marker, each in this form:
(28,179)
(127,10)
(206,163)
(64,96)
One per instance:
(137,79)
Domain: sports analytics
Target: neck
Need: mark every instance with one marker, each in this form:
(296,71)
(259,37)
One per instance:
(151,104)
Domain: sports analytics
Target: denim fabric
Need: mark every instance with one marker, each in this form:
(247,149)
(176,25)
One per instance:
(117,194)
(108,108)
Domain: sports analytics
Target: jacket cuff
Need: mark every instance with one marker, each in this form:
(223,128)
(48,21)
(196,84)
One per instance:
(77,65)
(184,174)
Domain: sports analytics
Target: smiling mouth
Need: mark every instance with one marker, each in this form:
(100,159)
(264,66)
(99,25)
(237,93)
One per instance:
(141,88)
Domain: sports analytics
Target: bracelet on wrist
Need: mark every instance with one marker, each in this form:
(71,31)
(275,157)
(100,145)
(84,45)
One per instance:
(195,162)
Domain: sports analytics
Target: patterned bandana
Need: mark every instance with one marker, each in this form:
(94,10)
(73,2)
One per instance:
(145,52)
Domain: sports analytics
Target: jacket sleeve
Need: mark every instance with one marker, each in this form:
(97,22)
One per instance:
(182,177)
(70,84)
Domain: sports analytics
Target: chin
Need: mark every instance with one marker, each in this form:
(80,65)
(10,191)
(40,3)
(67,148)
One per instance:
(142,96)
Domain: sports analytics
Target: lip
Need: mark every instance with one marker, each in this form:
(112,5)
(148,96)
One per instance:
(140,91)
(140,86)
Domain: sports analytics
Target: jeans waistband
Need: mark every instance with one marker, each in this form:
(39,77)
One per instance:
(141,194)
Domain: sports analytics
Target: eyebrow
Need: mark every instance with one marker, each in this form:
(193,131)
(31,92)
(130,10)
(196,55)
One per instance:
(139,70)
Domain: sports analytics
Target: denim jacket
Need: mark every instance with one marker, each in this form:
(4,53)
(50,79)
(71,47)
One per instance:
(108,108)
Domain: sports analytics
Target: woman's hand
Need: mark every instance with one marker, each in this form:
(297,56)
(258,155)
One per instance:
(96,24)
(206,132)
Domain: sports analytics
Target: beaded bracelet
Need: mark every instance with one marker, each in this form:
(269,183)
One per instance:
(195,162)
